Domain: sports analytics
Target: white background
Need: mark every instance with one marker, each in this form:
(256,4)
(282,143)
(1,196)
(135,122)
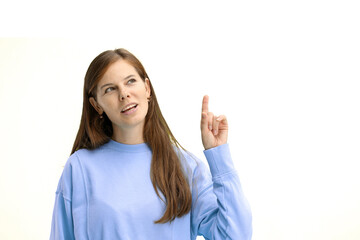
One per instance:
(286,74)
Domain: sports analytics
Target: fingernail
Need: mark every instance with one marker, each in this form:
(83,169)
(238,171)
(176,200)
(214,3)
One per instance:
(210,127)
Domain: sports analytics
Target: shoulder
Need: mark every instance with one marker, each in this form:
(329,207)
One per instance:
(186,157)
(78,159)
(69,176)
(85,156)
(192,165)
(89,153)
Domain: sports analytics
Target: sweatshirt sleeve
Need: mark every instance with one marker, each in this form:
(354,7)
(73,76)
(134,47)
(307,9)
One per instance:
(70,203)
(220,209)
(62,225)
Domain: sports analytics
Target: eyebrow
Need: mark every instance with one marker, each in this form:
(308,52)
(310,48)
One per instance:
(108,84)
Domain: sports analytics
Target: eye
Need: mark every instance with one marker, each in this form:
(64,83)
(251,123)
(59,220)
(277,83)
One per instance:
(131,81)
(109,89)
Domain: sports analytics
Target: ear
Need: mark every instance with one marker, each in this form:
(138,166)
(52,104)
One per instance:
(96,105)
(147,87)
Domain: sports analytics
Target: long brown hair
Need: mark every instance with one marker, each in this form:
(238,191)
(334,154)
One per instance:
(166,170)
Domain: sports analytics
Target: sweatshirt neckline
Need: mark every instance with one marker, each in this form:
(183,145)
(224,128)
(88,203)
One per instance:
(141,147)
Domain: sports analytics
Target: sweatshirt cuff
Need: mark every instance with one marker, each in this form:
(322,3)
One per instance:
(219,160)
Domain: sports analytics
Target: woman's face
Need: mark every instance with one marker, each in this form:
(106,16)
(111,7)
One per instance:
(123,96)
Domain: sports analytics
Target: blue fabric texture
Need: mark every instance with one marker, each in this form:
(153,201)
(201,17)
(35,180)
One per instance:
(107,193)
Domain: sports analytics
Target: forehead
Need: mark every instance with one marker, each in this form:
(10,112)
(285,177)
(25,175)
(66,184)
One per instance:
(118,71)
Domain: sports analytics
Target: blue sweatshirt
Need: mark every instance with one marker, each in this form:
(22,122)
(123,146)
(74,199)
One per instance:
(107,193)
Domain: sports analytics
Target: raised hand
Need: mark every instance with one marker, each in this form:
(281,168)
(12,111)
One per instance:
(214,129)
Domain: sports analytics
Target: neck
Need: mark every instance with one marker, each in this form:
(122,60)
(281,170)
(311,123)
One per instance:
(128,135)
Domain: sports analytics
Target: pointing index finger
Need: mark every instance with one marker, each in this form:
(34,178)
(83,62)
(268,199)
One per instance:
(205,104)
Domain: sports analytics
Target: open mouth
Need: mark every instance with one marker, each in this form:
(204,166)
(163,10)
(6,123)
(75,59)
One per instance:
(129,108)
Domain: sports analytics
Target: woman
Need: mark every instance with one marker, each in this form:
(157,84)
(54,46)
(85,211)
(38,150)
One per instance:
(128,177)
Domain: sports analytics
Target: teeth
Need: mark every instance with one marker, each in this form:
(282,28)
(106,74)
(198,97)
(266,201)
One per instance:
(128,107)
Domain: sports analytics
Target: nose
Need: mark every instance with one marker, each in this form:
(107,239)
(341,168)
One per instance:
(123,94)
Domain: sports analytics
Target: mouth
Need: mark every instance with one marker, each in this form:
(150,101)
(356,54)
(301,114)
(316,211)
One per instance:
(129,107)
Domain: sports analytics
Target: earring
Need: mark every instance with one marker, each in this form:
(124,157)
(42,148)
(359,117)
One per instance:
(101,116)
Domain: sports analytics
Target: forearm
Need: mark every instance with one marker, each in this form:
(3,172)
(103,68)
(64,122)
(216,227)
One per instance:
(232,219)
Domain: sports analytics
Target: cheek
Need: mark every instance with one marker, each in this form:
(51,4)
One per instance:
(108,106)
(141,95)
(145,104)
